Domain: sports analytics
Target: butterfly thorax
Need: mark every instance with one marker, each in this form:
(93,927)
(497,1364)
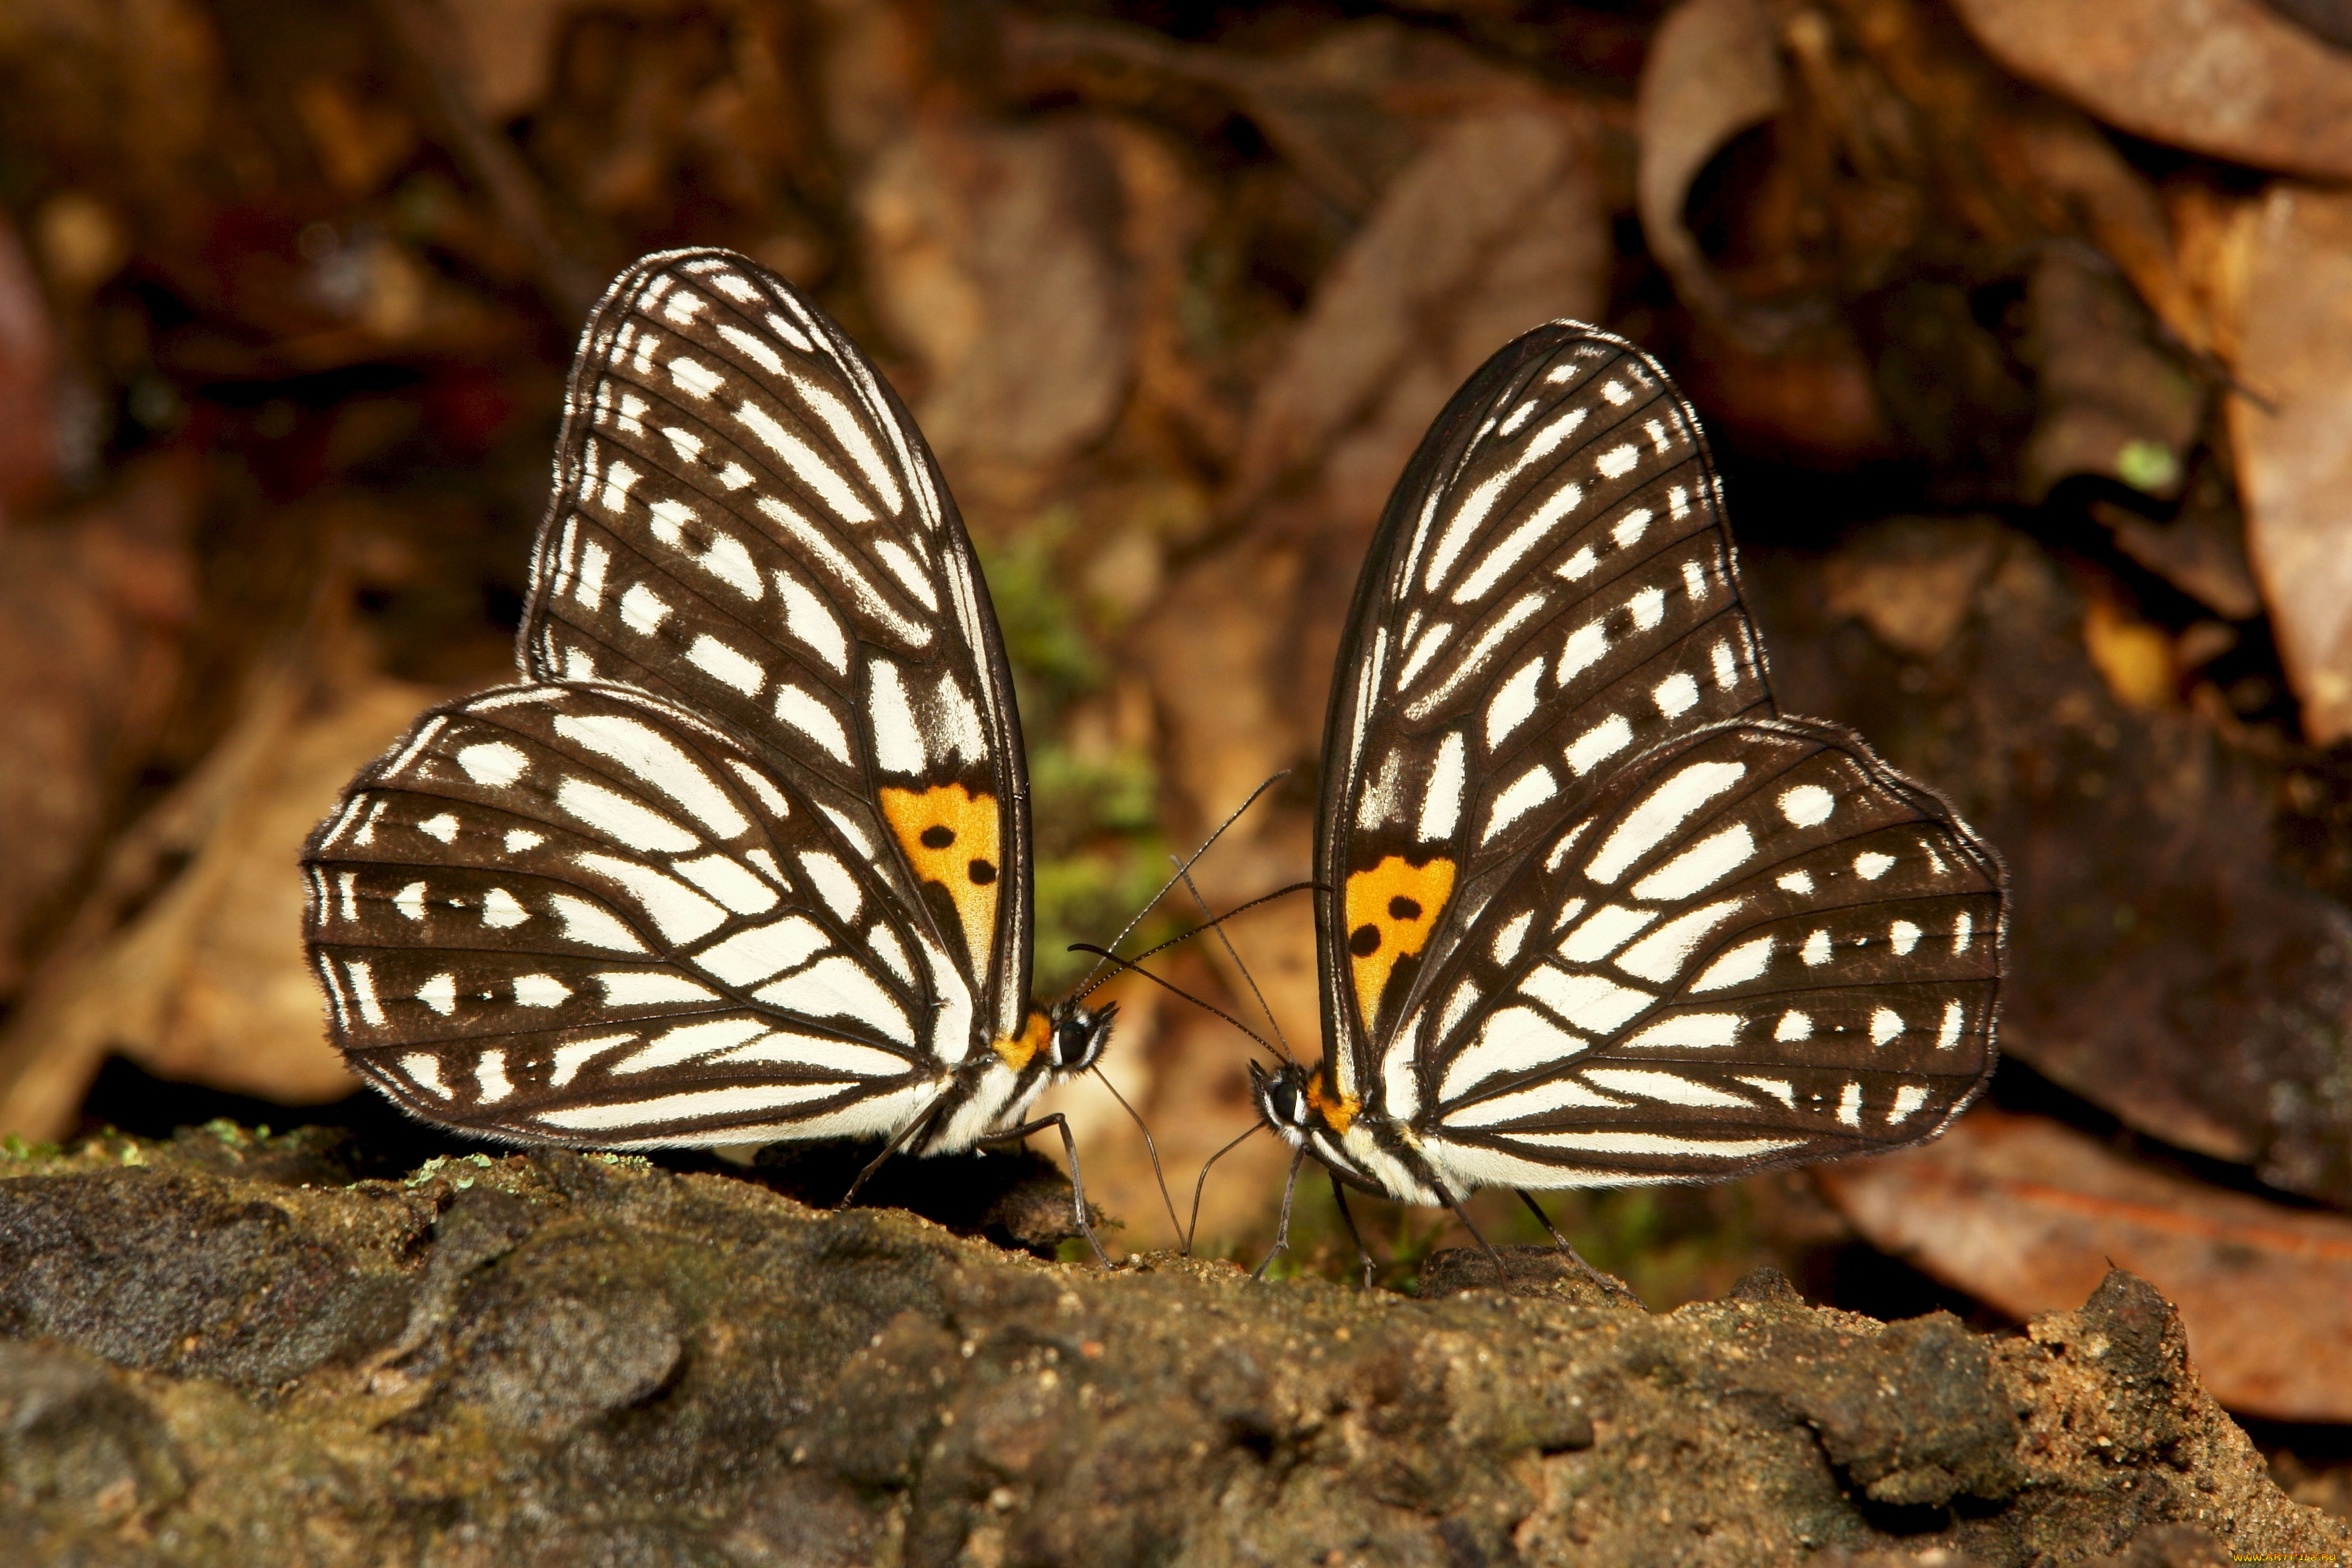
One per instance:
(996,1088)
(1309,1113)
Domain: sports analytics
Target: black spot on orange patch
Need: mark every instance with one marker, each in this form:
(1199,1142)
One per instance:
(947,834)
(1391,909)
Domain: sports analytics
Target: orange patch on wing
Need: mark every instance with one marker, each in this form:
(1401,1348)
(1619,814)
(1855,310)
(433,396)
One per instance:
(950,836)
(1391,909)
(1338,1114)
(1017,1051)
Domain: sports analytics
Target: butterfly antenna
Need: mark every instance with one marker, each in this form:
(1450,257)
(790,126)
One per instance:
(1204,1006)
(1200,1182)
(1087,982)
(1159,1175)
(1280,1044)
(1179,941)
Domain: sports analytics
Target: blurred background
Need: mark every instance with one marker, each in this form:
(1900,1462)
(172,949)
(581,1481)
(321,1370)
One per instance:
(2024,328)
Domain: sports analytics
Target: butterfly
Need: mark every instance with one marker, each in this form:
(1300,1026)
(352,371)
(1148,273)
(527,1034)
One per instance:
(1592,912)
(745,856)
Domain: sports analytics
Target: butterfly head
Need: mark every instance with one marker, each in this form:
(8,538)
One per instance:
(1287,1100)
(1075,1036)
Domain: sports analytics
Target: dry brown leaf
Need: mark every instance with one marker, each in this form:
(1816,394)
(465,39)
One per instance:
(92,610)
(992,254)
(2113,401)
(2202,551)
(206,982)
(1496,228)
(510,49)
(1347,112)
(2030,1215)
(2232,79)
(1915,595)
(28,372)
(2291,434)
(1712,73)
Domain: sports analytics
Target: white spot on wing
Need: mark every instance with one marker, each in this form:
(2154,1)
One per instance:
(657,759)
(539,990)
(1591,1003)
(1807,806)
(814,719)
(1510,936)
(753,954)
(678,912)
(833,883)
(1525,792)
(440,994)
(1514,702)
(898,739)
(1512,1039)
(1598,745)
(807,617)
(493,763)
(729,881)
(1441,801)
(1885,1023)
(650,988)
(1677,695)
(1668,1087)
(1664,810)
(1603,931)
(1701,866)
(1736,967)
(726,666)
(1661,955)
(592,925)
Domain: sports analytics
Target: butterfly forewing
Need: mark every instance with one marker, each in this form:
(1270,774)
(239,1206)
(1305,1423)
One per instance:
(1551,592)
(747,523)
(1759,946)
(577,912)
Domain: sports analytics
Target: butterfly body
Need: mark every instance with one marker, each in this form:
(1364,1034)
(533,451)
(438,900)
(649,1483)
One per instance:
(1596,913)
(745,855)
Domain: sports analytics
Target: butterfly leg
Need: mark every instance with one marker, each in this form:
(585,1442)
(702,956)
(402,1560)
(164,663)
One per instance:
(904,1136)
(1281,1230)
(1611,1286)
(1077,1182)
(1340,1195)
(1502,1275)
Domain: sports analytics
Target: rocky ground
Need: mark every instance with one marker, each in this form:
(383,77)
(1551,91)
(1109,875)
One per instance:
(226,1349)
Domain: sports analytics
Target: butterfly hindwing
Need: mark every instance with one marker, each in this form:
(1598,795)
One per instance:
(1758,946)
(1550,590)
(747,521)
(576,912)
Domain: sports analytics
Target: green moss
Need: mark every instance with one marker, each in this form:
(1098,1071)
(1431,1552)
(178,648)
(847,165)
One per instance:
(1043,635)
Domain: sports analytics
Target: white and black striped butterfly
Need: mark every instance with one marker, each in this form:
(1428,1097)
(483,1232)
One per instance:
(746,856)
(1591,913)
